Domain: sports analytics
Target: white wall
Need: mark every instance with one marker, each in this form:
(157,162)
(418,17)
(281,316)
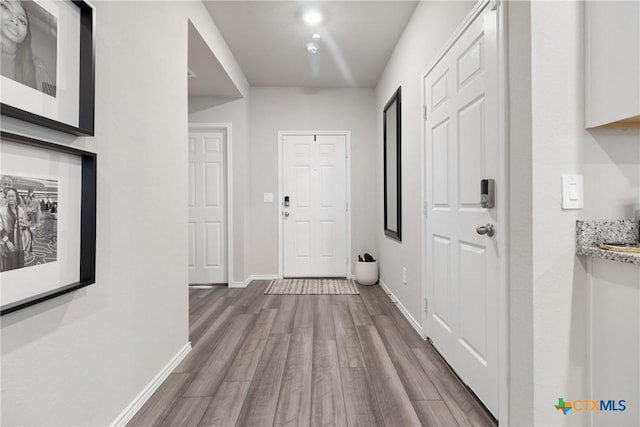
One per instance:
(279,109)
(610,162)
(431,26)
(520,268)
(81,358)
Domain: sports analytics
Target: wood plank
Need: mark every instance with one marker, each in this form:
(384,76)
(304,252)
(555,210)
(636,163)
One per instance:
(327,398)
(253,298)
(360,401)
(434,413)
(208,379)
(323,328)
(374,306)
(156,409)
(304,312)
(286,315)
(349,350)
(416,381)
(234,292)
(394,402)
(358,311)
(203,348)
(410,335)
(246,361)
(272,301)
(196,300)
(226,404)
(201,299)
(187,412)
(200,326)
(460,402)
(262,398)
(294,402)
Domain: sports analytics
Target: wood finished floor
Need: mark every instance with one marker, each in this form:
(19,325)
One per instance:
(307,360)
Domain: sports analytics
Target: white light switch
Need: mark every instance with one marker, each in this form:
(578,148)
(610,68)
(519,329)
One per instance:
(268,197)
(572,192)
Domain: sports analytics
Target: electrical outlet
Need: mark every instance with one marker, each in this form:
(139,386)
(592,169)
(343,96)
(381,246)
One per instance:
(404,275)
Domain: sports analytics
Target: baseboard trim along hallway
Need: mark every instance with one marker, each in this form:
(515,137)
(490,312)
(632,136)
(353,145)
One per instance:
(151,388)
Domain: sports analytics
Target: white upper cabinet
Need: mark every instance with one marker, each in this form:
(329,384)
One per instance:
(612,96)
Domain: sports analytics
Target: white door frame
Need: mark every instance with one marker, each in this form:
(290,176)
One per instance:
(281,134)
(226,128)
(502,193)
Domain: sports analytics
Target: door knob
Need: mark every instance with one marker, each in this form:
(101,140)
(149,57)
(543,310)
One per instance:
(486,229)
(285,213)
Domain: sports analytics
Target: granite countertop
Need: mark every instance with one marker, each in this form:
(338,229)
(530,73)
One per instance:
(590,233)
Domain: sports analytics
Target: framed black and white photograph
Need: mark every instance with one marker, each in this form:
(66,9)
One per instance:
(47,220)
(47,66)
(28,221)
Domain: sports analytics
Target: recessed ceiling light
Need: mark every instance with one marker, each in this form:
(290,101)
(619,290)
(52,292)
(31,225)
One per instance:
(312,17)
(312,47)
(316,37)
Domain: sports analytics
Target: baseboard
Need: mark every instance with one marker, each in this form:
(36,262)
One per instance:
(263,277)
(148,391)
(239,284)
(252,278)
(403,310)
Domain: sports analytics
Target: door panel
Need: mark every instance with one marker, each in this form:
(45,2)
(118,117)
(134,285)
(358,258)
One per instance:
(213,239)
(207,207)
(314,232)
(461,136)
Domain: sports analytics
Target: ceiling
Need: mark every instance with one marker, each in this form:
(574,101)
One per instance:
(268,41)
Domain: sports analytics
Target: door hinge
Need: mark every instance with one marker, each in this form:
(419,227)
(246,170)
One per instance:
(347,260)
(424,209)
(424,109)
(346,208)
(426,305)
(315,138)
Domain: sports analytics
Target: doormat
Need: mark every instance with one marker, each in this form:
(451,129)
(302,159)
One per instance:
(312,287)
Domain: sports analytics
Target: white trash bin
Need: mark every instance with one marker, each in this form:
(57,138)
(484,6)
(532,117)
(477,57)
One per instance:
(367,272)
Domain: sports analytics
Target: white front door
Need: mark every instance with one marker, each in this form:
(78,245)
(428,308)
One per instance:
(462,143)
(315,222)
(207,207)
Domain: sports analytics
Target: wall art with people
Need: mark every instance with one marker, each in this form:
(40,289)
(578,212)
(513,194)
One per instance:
(28,41)
(28,222)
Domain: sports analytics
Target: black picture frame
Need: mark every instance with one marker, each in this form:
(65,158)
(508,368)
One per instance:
(86,94)
(87,273)
(392,135)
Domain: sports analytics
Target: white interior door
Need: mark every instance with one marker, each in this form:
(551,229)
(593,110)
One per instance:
(315,222)
(207,207)
(462,143)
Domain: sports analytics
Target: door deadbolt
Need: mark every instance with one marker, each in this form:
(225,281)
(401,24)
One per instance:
(487,193)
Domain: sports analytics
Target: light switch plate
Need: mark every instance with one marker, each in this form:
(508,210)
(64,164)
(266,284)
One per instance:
(572,192)
(268,197)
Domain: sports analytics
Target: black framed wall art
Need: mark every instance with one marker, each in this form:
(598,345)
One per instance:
(47,220)
(47,67)
(392,135)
